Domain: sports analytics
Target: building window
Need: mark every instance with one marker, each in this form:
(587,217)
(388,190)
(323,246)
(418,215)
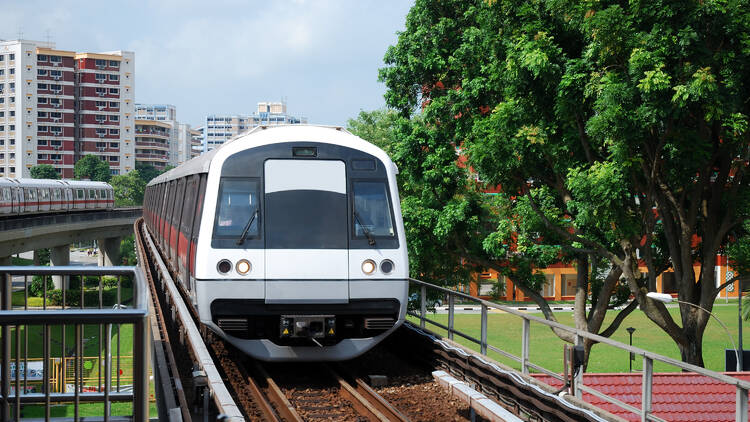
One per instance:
(114,131)
(114,118)
(12,71)
(101,91)
(2,58)
(114,77)
(114,91)
(55,59)
(55,73)
(2,128)
(41,114)
(42,129)
(42,58)
(11,56)
(2,100)
(41,72)
(41,86)
(114,145)
(41,100)
(2,72)
(41,142)
(114,104)
(114,63)
(114,172)
(55,115)
(42,156)
(101,104)
(12,113)
(12,100)
(100,77)
(100,63)
(2,114)
(55,143)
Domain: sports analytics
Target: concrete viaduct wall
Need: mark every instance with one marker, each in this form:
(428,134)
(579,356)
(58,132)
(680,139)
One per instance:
(58,231)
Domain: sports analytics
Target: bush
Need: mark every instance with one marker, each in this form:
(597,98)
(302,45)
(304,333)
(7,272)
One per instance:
(90,297)
(36,288)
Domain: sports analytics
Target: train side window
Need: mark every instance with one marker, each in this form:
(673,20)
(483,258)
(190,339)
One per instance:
(92,194)
(179,201)
(199,205)
(188,211)
(79,194)
(170,200)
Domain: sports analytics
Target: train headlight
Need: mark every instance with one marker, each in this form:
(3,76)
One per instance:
(386,266)
(369,266)
(224,266)
(243,266)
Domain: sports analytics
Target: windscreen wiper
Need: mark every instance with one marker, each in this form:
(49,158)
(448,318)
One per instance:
(370,240)
(241,240)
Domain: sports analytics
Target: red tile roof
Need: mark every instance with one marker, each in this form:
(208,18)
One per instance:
(676,396)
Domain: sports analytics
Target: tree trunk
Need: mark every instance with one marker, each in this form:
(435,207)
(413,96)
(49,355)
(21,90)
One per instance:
(692,352)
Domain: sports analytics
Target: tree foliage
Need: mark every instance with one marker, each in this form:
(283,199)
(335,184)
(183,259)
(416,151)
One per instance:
(617,132)
(146,171)
(44,171)
(129,189)
(92,167)
(374,126)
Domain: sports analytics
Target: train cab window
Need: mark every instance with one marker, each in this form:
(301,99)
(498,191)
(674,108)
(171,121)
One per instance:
(238,204)
(372,210)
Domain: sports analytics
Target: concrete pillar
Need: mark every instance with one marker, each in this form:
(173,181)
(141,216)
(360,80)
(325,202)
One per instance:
(37,261)
(109,251)
(60,255)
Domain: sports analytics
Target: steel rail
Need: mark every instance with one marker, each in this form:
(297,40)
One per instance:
(373,404)
(222,399)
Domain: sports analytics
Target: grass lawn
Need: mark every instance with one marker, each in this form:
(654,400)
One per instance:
(504,332)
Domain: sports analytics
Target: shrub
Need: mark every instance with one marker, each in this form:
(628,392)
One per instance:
(36,288)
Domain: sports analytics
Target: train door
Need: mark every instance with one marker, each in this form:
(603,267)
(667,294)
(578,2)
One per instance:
(175,226)
(55,199)
(91,198)
(31,200)
(186,226)
(6,203)
(17,200)
(168,203)
(44,199)
(196,229)
(306,233)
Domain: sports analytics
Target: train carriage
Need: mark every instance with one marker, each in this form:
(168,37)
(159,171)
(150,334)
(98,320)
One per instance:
(41,196)
(289,241)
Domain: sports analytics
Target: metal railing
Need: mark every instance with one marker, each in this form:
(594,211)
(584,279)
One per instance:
(70,332)
(645,412)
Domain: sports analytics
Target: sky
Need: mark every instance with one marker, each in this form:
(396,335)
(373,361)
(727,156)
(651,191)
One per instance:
(225,56)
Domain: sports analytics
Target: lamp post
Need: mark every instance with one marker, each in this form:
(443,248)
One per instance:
(666,298)
(631,330)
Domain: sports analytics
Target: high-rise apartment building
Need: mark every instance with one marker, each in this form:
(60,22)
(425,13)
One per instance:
(165,113)
(57,106)
(188,142)
(220,128)
(152,143)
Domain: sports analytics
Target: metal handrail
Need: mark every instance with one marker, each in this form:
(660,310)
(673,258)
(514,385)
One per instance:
(136,314)
(742,387)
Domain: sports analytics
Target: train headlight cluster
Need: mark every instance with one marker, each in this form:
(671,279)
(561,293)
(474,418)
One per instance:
(243,266)
(369,266)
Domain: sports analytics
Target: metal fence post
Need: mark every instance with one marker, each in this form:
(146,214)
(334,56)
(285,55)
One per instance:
(578,379)
(484,330)
(525,334)
(423,306)
(451,302)
(741,413)
(140,371)
(5,372)
(646,390)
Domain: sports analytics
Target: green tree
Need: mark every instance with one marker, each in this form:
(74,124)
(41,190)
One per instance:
(127,251)
(618,133)
(374,126)
(92,167)
(44,171)
(129,189)
(146,171)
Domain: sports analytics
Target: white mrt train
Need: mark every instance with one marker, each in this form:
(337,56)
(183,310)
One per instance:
(38,196)
(289,241)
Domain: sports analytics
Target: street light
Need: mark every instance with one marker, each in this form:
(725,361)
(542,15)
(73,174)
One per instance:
(667,298)
(631,330)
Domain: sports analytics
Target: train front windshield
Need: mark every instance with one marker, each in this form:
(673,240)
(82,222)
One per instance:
(238,201)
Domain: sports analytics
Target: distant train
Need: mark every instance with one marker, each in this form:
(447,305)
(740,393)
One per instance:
(289,241)
(39,196)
